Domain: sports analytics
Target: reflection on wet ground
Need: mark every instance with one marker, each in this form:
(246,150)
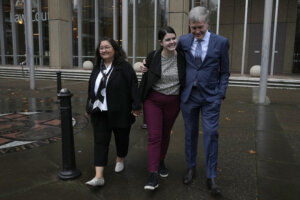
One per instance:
(25,130)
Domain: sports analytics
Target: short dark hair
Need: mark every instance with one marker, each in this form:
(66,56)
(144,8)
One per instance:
(163,31)
(119,56)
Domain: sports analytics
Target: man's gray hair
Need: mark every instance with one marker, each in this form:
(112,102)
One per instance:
(198,14)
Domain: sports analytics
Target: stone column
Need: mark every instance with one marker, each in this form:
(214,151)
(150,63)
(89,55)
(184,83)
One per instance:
(178,16)
(60,51)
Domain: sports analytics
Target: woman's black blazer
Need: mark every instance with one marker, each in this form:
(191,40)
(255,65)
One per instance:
(153,63)
(121,94)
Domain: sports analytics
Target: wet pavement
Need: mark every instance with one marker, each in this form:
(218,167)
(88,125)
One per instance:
(259,149)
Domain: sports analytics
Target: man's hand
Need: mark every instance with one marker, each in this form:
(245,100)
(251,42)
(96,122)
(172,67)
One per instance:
(136,113)
(144,69)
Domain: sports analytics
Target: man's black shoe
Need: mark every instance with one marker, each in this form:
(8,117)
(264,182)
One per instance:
(188,178)
(212,185)
(152,183)
(162,170)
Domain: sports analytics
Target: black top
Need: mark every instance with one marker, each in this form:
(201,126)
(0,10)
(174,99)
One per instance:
(153,63)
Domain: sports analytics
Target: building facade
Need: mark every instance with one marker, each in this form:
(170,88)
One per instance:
(66,32)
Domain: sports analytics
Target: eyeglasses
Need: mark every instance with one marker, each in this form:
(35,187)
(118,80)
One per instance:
(104,48)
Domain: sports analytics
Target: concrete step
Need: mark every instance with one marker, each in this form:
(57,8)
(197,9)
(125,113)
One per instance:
(83,75)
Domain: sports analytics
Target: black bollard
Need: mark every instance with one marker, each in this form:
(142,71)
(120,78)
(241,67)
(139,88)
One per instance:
(69,170)
(58,78)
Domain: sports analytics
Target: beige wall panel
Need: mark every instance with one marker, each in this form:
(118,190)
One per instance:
(59,34)
(54,46)
(59,44)
(53,9)
(176,5)
(185,28)
(176,21)
(64,43)
(186,7)
(178,16)
(58,9)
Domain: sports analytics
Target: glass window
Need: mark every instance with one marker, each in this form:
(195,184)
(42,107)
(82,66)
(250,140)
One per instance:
(88,30)
(18,20)
(145,27)
(144,21)
(20,30)
(88,27)
(7,32)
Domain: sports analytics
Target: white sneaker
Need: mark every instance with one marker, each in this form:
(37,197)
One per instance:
(119,167)
(96,182)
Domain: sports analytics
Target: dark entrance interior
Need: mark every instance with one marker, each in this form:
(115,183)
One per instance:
(255,47)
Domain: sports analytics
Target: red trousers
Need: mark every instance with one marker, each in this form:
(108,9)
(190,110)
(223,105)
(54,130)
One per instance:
(160,113)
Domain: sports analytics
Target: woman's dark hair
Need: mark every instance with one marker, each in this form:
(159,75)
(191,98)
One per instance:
(119,56)
(163,31)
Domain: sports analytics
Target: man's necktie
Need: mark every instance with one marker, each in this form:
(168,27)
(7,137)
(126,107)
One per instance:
(198,52)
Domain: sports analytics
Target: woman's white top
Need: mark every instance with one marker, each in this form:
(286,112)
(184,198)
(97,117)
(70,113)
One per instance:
(97,103)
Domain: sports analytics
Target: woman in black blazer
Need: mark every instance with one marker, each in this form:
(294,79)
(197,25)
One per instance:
(113,102)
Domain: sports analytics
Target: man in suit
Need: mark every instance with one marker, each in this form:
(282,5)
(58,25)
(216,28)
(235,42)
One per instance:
(207,73)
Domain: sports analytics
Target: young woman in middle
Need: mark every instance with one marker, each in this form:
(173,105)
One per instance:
(160,92)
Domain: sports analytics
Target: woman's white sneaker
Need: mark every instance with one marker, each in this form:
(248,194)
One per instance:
(96,182)
(119,167)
